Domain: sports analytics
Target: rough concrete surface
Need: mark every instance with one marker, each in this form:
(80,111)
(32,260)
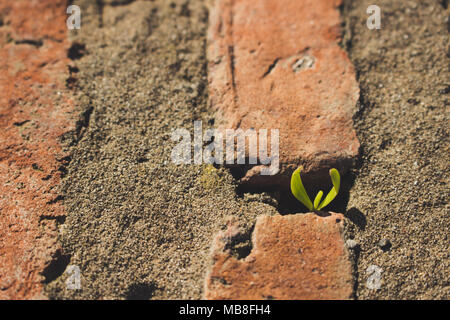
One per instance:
(401,189)
(138,225)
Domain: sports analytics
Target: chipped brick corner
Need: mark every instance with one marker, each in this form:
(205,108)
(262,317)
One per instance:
(294,257)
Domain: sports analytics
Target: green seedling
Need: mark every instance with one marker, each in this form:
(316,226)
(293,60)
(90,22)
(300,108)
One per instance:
(298,190)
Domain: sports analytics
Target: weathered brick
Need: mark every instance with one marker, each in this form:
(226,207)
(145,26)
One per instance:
(35,110)
(277,64)
(293,257)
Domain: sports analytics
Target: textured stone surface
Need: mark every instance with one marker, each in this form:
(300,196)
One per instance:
(293,257)
(276,64)
(34,113)
(401,190)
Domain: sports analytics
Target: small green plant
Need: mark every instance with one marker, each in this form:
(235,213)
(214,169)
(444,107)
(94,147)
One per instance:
(298,190)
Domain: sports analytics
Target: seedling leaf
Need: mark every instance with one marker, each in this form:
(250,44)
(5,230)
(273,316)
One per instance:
(317,199)
(298,190)
(336,180)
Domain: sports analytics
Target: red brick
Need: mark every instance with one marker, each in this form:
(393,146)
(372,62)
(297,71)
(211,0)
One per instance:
(293,257)
(35,111)
(277,64)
